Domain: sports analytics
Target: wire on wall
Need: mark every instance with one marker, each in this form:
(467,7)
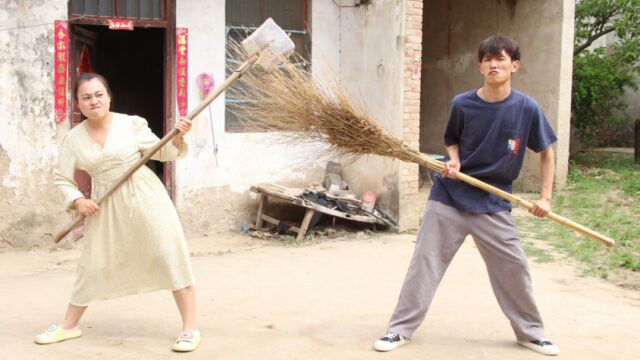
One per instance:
(36,25)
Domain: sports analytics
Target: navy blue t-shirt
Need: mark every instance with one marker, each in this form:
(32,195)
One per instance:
(492,138)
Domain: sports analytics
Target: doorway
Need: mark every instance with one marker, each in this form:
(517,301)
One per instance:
(134,64)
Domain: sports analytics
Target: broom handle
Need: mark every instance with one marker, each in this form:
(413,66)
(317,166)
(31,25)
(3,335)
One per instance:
(243,68)
(439,167)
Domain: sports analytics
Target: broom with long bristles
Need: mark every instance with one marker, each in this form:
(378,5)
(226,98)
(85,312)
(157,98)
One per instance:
(288,100)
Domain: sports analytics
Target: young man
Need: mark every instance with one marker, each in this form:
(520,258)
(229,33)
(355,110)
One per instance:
(485,137)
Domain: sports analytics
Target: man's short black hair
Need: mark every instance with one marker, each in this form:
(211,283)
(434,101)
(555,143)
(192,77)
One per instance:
(495,44)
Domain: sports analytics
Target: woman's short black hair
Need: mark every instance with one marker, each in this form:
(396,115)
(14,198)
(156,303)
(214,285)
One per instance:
(494,46)
(84,77)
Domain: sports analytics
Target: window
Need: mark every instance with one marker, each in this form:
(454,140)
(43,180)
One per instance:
(129,9)
(242,15)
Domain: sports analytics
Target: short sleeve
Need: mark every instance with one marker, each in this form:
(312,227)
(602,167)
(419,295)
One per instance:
(453,131)
(541,135)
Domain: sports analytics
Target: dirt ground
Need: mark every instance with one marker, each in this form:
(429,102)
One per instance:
(325,300)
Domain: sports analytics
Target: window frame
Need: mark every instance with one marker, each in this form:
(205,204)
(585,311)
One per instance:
(81,18)
(232,124)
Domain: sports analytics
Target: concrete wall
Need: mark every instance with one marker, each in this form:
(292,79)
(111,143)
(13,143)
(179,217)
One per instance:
(359,44)
(452,32)
(371,55)
(29,203)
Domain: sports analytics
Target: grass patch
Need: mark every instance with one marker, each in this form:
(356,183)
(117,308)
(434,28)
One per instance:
(534,251)
(602,193)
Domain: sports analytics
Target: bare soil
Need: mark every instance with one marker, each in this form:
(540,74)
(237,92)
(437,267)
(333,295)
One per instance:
(259,299)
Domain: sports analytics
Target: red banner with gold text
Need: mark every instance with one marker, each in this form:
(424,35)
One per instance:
(182,69)
(60,64)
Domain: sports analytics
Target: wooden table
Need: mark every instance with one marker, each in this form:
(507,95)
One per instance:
(291,195)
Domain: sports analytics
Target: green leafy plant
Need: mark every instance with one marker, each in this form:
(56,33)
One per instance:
(603,192)
(601,75)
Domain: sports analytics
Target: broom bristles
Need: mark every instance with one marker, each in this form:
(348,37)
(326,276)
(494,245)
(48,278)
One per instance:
(290,102)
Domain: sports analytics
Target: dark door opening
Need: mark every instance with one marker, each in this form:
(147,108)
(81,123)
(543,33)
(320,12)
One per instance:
(133,63)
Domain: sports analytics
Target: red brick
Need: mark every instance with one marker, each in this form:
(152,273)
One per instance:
(413,32)
(411,136)
(413,25)
(414,11)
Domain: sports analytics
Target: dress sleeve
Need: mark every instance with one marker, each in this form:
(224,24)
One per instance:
(63,175)
(146,139)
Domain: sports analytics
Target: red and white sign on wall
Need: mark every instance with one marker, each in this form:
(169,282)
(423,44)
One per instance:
(119,24)
(182,69)
(60,64)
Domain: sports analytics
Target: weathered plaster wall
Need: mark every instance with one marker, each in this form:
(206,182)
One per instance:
(359,44)
(452,32)
(30,206)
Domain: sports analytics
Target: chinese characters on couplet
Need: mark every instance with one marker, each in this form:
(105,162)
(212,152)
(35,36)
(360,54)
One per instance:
(60,65)
(182,70)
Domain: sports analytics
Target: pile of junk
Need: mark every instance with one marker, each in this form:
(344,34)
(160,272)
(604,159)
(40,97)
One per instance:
(336,195)
(333,198)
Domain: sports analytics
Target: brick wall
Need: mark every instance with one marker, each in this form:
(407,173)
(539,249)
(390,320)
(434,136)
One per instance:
(411,93)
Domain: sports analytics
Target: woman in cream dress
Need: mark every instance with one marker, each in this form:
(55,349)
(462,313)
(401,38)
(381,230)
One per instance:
(133,241)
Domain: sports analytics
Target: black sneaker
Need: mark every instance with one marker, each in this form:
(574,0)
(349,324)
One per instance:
(390,342)
(543,346)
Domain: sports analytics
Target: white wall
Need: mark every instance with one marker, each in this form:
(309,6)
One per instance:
(29,203)
(359,44)
(371,64)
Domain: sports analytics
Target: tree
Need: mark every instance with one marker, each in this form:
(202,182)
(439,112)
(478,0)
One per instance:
(600,76)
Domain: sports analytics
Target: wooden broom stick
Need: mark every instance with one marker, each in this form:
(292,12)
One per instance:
(439,166)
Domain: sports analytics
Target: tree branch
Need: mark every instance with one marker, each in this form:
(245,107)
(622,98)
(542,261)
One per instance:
(591,39)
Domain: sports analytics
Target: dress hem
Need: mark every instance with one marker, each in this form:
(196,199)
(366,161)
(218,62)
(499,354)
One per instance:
(133,292)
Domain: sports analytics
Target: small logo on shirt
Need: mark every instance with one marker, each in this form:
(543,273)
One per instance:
(514,145)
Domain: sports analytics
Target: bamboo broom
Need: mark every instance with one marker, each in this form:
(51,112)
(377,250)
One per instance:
(289,101)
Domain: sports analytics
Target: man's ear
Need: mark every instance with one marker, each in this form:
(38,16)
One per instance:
(480,68)
(516,66)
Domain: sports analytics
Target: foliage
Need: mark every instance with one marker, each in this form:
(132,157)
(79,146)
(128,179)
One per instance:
(600,76)
(599,81)
(603,193)
(596,18)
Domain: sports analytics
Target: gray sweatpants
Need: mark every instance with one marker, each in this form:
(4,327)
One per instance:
(443,230)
